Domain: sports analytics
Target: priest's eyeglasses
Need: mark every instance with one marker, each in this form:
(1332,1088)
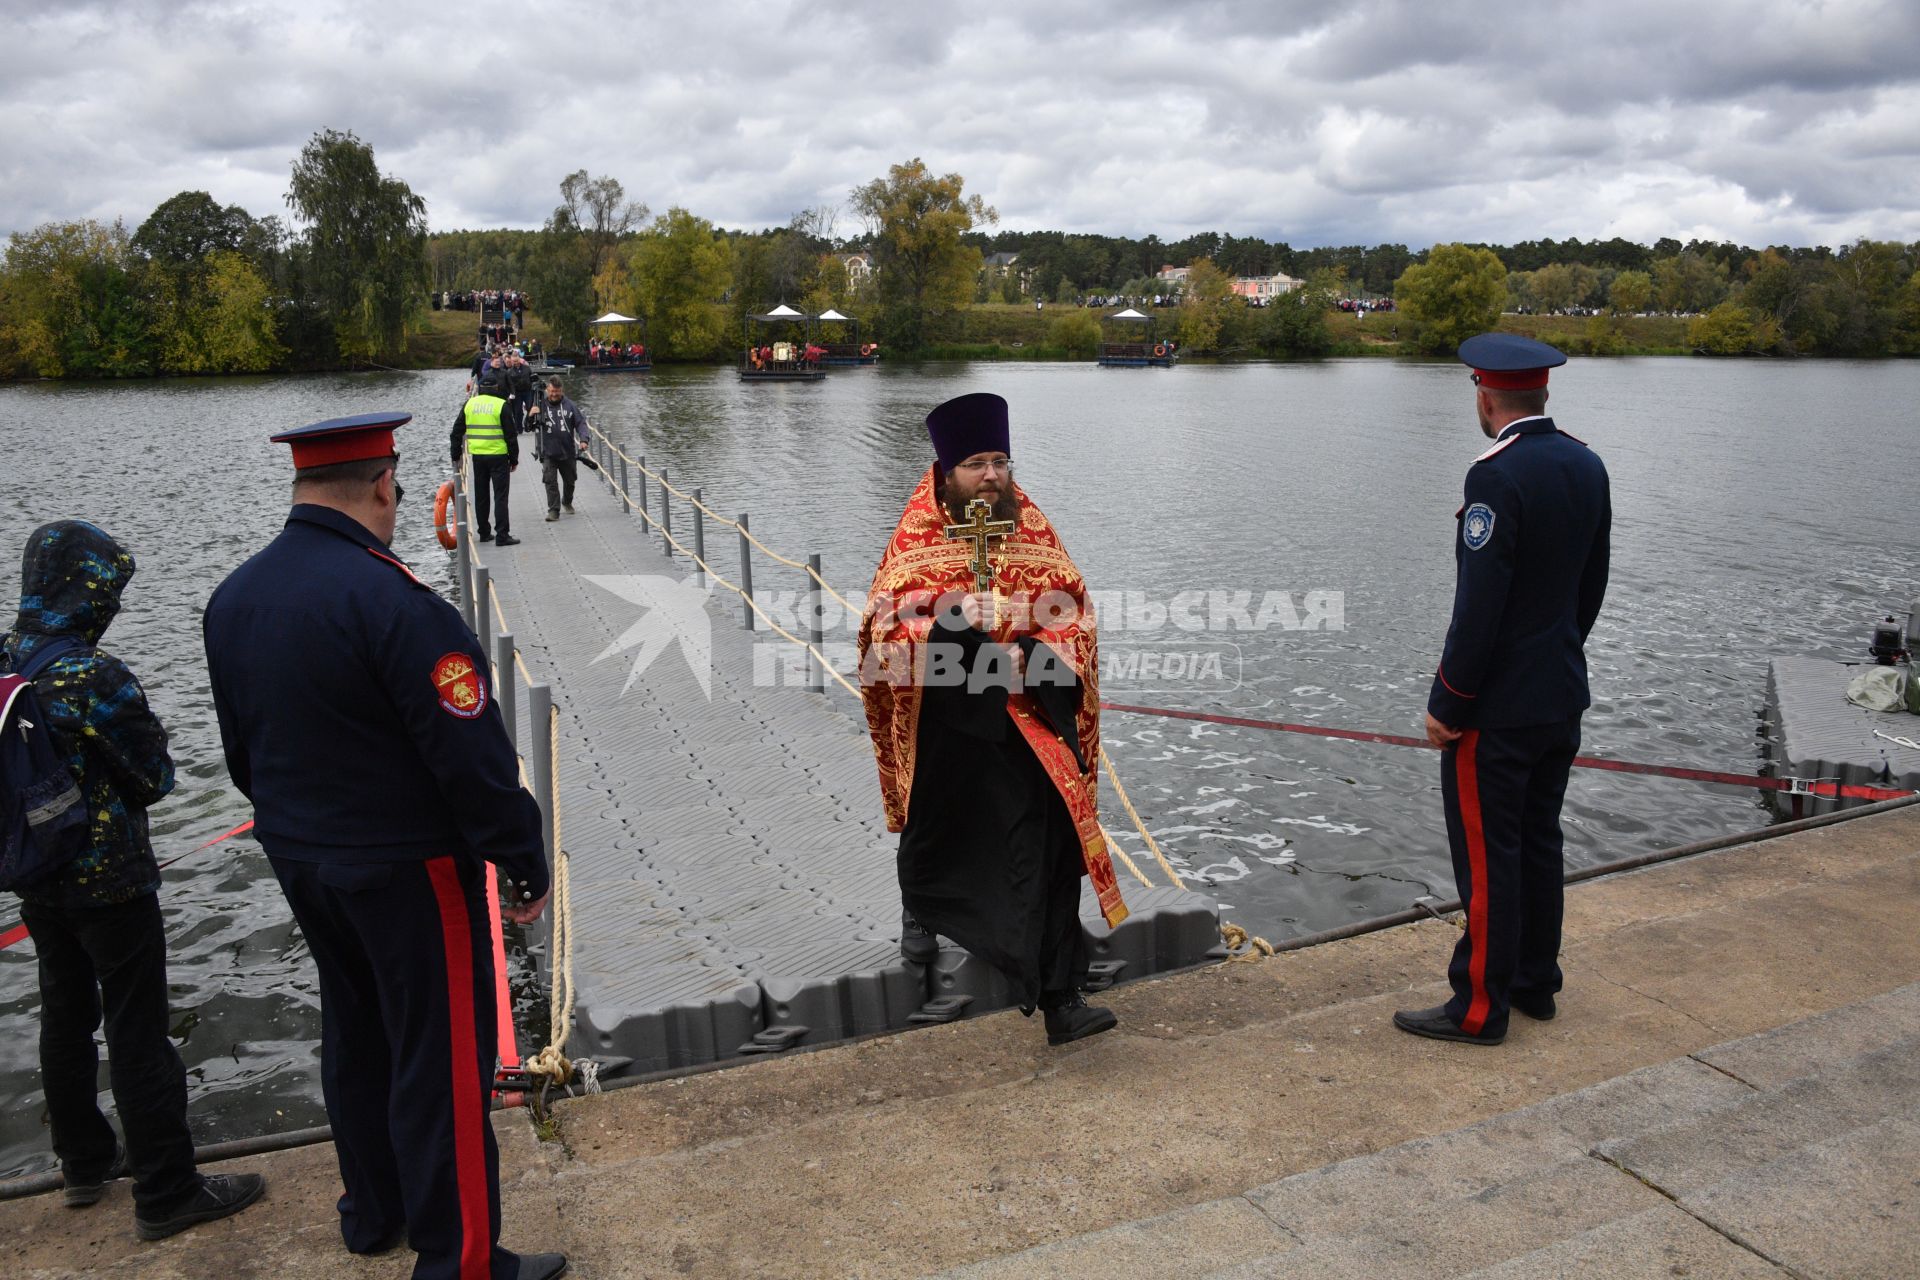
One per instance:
(998,464)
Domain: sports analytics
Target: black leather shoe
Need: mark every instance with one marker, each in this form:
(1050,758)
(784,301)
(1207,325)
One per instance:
(80,1191)
(916,944)
(221,1195)
(542,1266)
(485,536)
(506,540)
(1436,1025)
(1539,1008)
(1076,1020)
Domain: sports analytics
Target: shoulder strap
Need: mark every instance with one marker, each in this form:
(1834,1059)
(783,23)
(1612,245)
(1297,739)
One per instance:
(46,655)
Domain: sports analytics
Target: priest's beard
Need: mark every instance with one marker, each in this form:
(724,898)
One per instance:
(997,491)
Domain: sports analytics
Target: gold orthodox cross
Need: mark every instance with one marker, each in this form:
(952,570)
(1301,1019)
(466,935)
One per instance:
(978,530)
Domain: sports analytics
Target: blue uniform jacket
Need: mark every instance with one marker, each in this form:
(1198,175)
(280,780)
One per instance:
(356,710)
(1531,555)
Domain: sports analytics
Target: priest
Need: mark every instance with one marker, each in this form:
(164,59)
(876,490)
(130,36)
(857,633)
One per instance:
(980,673)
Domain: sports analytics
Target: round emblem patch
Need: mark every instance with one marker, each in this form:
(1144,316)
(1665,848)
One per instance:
(462,692)
(1476,526)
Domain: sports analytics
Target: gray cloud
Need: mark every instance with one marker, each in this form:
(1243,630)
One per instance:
(1770,121)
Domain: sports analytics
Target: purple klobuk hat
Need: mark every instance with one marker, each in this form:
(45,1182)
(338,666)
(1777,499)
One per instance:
(966,425)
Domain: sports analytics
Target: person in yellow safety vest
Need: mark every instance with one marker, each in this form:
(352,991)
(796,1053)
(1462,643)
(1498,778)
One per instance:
(495,449)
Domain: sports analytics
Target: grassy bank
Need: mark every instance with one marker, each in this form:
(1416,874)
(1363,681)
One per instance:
(448,339)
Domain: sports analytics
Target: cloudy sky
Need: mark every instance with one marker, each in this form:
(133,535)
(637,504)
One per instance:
(1361,121)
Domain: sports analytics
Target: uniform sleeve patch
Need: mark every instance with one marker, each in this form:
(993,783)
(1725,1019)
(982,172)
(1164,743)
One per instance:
(1476,527)
(461,689)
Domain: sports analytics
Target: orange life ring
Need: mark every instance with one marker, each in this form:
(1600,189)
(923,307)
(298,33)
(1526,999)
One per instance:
(1160,349)
(441,529)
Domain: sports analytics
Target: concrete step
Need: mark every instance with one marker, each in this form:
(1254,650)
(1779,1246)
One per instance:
(1531,1163)
(1541,1191)
(1847,1205)
(1692,1154)
(1661,1241)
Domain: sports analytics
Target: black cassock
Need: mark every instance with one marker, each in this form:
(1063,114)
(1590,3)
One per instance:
(989,856)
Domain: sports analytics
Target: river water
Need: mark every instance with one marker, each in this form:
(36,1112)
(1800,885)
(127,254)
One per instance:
(1760,508)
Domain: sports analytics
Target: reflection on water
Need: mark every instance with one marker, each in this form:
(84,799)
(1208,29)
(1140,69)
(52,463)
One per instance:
(1760,508)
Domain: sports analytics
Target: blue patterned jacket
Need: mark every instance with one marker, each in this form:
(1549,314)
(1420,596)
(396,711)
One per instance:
(71,577)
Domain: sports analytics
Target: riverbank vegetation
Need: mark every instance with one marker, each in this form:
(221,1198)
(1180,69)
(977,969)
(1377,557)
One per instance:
(198,287)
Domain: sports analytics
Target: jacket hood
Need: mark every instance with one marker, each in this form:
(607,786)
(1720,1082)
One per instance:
(71,577)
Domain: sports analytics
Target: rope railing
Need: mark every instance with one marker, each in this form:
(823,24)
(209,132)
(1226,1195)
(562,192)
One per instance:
(720,579)
(741,529)
(550,1064)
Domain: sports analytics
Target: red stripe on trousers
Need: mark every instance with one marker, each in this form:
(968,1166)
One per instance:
(469,1155)
(1466,777)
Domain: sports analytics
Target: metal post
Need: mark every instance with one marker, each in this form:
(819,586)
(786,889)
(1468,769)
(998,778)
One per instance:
(643,482)
(463,550)
(666,516)
(816,678)
(503,686)
(482,617)
(699,540)
(624,504)
(746,574)
(540,718)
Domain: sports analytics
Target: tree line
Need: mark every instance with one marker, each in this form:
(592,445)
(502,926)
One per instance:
(199,287)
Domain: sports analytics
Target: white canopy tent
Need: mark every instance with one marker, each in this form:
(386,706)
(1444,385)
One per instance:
(614,317)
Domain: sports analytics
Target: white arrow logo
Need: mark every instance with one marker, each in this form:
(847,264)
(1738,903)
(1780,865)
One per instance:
(675,610)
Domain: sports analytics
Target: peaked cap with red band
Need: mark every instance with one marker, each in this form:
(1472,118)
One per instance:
(364,435)
(1509,362)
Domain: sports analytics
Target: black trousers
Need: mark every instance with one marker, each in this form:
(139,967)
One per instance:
(552,472)
(112,961)
(492,475)
(1503,789)
(407,1054)
(990,859)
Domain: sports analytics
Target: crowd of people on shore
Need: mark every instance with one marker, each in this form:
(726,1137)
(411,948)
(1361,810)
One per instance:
(511,301)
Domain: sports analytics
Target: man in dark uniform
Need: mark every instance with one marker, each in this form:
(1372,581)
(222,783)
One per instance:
(1531,554)
(356,714)
(493,443)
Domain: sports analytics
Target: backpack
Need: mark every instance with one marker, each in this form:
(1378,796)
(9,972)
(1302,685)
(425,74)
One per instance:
(44,823)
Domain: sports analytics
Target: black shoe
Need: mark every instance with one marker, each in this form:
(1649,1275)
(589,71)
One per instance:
(541,1266)
(485,536)
(552,516)
(1539,1008)
(1076,1020)
(82,1191)
(506,540)
(916,944)
(221,1195)
(568,508)
(1436,1025)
